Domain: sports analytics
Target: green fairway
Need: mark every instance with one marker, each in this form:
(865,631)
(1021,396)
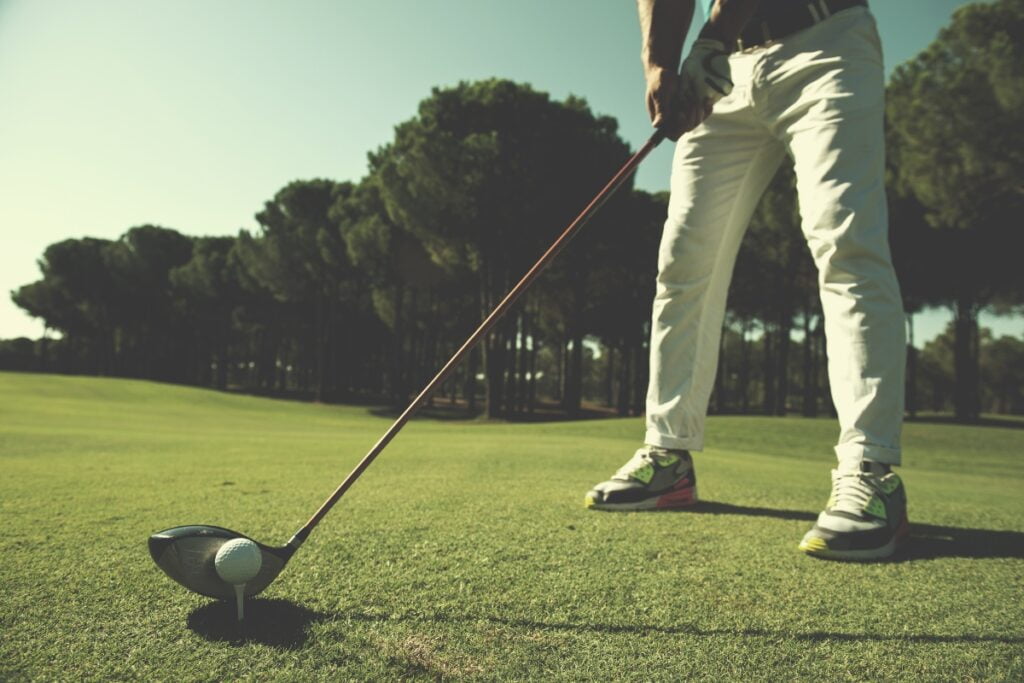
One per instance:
(465,552)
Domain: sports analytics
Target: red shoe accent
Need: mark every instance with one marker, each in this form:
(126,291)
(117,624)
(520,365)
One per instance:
(681,496)
(903,530)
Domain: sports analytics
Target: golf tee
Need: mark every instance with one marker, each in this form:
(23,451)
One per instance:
(240,598)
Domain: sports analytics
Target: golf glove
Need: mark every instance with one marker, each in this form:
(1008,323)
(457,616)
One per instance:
(705,75)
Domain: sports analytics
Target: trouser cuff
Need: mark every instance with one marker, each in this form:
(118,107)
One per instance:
(689,443)
(856,452)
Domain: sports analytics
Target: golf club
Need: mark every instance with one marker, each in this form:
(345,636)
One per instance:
(187,554)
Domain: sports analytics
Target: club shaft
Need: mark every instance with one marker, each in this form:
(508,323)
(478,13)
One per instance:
(489,322)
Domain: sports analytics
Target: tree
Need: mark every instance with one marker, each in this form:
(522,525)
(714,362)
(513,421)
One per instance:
(299,258)
(1002,369)
(621,293)
(776,280)
(483,177)
(19,354)
(918,277)
(956,114)
(76,297)
(150,329)
(207,291)
(400,274)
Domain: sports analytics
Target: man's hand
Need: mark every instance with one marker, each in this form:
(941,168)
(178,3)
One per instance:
(663,26)
(679,103)
(663,103)
(705,78)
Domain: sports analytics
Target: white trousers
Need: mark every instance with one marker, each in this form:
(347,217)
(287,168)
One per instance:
(818,97)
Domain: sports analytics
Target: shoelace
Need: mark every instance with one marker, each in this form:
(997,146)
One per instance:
(851,491)
(641,458)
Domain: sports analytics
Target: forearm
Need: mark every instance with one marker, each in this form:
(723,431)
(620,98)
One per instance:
(663,27)
(728,17)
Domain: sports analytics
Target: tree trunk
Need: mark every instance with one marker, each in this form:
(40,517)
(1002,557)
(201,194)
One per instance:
(768,364)
(782,371)
(574,371)
(911,369)
(745,368)
(320,351)
(824,383)
(493,345)
(494,370)
(397,389)
(428,363)
(470,388)
(44,352)
(531,398)
(525,329)
(623,401)
(560,369)
(642,375)
(609,377)
(222,358)
(718,393)
(810,388)
(574,391)
(965,362)
(511,367)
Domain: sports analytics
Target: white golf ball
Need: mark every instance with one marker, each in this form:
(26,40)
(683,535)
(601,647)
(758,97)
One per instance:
(238,561)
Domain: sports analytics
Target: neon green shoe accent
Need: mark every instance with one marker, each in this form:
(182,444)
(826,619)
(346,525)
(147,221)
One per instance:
(889,484)
(667,459)
(813,545)
(646,473)
(876,508)
(643,474)
(588,500)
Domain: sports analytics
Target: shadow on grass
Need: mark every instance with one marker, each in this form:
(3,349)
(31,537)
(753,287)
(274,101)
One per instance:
(277,623)
(927,541)
(443,410)
(683,629)
(987,421)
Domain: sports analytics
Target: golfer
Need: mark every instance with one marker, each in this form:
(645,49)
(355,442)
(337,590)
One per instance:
(770,81)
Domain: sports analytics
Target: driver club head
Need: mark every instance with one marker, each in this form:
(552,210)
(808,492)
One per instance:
(187,554)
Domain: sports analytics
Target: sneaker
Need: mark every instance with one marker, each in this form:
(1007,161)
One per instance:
(865,517)
(654,478)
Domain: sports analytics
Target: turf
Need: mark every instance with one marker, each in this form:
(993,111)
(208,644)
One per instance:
(465,552)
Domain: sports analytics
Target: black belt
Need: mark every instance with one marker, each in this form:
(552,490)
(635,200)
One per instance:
(761,31)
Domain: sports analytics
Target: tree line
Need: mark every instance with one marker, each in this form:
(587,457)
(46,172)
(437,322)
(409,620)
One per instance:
(361,290)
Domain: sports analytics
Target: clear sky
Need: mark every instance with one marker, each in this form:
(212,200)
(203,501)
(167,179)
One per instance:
(191,113)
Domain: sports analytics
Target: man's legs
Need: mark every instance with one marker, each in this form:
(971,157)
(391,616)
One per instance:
(833,130)
(829,107)
(719,172)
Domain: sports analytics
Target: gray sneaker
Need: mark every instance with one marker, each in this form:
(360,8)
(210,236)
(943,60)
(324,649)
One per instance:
(865,517)
(654,478)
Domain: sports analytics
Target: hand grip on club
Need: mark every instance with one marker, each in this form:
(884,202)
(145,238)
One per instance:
(609,189)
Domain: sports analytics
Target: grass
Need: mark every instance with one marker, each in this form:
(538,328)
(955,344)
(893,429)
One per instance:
(464,552)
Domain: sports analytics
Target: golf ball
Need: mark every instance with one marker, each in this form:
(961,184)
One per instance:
(238,561)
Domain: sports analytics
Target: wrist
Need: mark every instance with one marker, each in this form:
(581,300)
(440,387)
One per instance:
(656,73)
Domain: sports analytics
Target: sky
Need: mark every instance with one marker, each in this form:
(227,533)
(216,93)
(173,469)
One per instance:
(190,114)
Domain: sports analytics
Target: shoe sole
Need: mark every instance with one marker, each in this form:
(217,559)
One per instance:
(673,500)
(818,547)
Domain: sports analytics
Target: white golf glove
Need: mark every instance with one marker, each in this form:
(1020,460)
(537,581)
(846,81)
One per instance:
(705,76)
